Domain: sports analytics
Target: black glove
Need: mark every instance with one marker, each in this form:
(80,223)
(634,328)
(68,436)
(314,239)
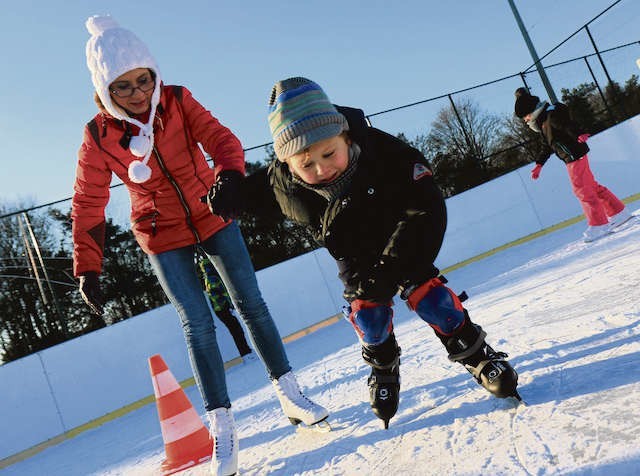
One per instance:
(381,282)
(225,197)
(90,291)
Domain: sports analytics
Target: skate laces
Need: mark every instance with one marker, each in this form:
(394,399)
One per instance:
(483,364)
(384,376)
(495,354)
(223,432)
(288,388)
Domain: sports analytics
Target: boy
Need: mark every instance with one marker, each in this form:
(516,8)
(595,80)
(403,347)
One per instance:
(370,199)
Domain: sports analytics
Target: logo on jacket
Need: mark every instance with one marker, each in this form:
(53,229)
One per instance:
(420,170)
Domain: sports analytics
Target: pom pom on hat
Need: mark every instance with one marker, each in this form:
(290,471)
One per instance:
(301,114)
(525,103)
(140,145)
(139,172)
(99,24)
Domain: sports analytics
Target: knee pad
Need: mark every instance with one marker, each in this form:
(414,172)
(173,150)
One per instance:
(438,306)
(372,322)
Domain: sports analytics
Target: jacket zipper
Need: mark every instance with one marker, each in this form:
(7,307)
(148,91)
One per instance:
(185,207)
(566,150)
(153,216)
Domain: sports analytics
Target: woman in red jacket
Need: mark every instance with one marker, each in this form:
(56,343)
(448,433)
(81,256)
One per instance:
(148,134)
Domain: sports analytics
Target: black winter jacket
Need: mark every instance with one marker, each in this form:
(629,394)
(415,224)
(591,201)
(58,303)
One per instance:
(392,211)
(560,135)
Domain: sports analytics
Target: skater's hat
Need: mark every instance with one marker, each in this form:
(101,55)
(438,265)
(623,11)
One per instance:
(525,103)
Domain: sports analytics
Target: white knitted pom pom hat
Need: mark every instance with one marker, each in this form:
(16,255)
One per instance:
(111,52)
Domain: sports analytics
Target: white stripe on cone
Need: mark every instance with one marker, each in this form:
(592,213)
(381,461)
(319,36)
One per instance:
(181,425)
(164,383)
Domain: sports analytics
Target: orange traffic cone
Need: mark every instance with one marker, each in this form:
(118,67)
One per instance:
(186,439)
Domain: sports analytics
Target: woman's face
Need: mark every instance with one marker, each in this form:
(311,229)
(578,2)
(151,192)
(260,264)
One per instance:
(132,90)
(322,162)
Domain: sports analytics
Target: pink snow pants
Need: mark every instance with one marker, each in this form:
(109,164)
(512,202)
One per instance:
(597,201)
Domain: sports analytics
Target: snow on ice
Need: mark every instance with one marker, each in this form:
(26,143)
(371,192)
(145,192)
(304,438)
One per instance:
(567,313)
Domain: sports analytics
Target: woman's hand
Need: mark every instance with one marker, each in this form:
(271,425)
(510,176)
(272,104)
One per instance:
(91,292)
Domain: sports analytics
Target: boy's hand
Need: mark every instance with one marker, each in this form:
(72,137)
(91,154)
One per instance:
(225,197)
(535,172)
(381,283)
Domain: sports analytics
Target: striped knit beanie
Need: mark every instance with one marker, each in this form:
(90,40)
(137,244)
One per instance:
(301,114)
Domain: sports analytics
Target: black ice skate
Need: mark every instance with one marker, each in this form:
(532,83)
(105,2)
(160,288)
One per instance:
(489,367)
(384,381)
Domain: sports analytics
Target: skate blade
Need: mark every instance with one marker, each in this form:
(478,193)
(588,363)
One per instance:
(322,426)
(625,224)
(517,399)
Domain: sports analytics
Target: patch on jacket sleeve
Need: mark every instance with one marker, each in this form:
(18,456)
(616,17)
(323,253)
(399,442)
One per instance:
(420,170)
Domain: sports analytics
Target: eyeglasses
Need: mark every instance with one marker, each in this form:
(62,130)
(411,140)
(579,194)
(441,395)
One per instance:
(125,89)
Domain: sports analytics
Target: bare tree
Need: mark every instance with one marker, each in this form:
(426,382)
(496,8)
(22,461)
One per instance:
(460,139)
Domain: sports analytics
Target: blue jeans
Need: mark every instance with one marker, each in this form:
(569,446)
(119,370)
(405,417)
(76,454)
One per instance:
(176,271)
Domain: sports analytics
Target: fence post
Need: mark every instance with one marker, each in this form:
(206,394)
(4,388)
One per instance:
(606,71)
(524,81)
(61,319)
(604,99)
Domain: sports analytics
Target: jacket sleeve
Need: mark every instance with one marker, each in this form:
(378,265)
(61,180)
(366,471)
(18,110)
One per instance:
(217,140)
(422,219)
(545,152)
(260,199)
(561,119)
(417,238)
(91,195)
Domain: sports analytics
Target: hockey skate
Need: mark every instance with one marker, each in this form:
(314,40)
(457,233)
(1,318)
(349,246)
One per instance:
(384,381)
(489,367)
(297,406)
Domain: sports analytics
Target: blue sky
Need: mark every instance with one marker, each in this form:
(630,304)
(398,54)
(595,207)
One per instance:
(371,54)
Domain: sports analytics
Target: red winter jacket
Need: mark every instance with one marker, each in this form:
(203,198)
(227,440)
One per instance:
(166,211)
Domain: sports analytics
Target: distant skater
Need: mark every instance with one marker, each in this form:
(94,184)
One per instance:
(560,134)
(222,306)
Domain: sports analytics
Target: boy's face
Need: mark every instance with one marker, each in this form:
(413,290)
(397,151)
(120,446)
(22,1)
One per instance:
(322,162)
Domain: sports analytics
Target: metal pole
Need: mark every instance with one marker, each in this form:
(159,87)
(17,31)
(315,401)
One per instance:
(606,72)
(31,260)
(534,55)
(36,246)
(524,81)
(595,47)
(602,96)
